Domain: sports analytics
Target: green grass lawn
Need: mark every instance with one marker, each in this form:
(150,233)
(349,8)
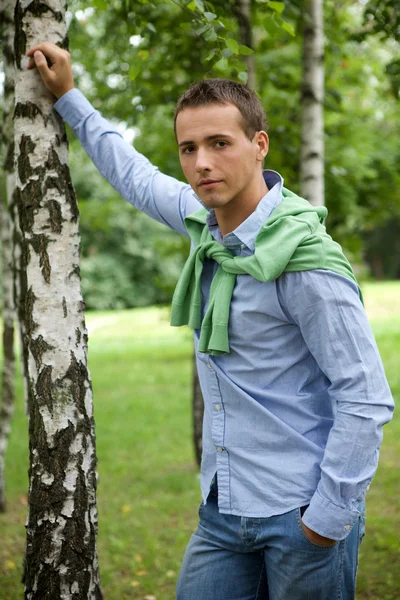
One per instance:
(148,481)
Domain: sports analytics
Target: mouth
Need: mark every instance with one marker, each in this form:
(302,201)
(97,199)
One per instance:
(207,184)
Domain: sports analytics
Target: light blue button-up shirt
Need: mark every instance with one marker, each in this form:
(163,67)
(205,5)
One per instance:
(294,413)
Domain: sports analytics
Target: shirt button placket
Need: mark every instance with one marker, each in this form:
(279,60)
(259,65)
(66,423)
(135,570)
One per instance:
(218,436)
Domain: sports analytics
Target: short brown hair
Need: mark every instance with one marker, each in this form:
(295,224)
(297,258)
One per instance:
(225,91)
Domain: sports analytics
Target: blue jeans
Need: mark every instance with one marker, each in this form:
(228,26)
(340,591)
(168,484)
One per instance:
(245,558)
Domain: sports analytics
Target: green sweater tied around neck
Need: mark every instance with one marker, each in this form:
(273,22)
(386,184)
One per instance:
(292,239)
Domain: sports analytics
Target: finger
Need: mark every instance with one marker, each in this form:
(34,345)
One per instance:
(31,63)
(41,64)
(47,48)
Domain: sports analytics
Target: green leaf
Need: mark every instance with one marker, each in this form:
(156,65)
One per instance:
(222,64)
(134,71)
(186,27)
(226,53)
(288,27)
(191,6)
(279,7)
(200,5)
(232,45)
(101,4)
(243,76)
(210,36)
(271,25)
(151,27)
(202,29)
(144,54)
(212,54)
(210,16)
(245,50)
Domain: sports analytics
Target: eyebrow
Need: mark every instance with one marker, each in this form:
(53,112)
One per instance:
(208,138)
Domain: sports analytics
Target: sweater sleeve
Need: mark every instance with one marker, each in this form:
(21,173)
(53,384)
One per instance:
(161,197)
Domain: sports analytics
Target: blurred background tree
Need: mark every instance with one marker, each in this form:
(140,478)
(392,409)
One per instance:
(133,60)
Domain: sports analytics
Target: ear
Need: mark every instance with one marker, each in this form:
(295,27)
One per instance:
(262,141)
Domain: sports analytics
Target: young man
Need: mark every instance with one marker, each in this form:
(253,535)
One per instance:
(294,389)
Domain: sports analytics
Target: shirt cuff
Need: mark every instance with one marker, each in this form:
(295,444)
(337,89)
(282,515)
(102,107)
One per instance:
(329,520)
(73,107)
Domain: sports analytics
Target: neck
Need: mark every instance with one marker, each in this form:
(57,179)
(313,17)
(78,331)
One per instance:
(239,209)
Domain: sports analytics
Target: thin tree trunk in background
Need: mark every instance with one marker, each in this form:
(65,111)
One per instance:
(198,411)
(8,372)
(61,553)
(312,99)
(242,11)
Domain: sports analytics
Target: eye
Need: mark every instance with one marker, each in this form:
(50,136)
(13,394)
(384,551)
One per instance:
(188,150)
(220,144)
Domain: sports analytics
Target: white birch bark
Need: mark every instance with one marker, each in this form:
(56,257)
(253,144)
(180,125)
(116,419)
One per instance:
(312,100)
(8,372)
(61,554)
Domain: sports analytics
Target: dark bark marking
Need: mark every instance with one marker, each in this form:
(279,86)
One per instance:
(28,202)
(75,271)
(39,243)
(38,347)
(44,388)
(52,182)
(38,9)
(29,303)
(65,309)
(20,37)
(70,194)
(78,375)
(65,183)
(78,336)
(27,110)
(56,218)
(26,147)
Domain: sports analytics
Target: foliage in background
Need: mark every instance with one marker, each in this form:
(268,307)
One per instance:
(134,59)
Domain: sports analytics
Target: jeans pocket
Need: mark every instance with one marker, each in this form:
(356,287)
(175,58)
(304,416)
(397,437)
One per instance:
(311,544)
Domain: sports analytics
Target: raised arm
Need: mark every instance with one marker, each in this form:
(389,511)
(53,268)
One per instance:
(161,197)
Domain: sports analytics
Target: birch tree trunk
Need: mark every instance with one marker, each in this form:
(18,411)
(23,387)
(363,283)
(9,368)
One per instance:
(312,99)
(242,10)
(61,553)
(8,373)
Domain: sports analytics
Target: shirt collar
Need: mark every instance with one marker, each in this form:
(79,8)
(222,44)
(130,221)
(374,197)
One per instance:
(246,233)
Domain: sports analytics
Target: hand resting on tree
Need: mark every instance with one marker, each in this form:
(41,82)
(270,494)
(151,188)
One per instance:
(54,66)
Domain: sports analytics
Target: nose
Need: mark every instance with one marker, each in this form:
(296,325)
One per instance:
(202,160)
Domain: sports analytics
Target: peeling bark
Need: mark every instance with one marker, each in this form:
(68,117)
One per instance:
(61,553)
(312,100)
(242,11)
(8,373)
(198,412)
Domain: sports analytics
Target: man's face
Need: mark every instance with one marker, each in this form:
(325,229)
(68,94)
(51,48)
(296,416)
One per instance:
(219,161)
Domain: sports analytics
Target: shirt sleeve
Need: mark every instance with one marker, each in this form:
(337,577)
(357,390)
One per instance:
(333,323)
(161,197)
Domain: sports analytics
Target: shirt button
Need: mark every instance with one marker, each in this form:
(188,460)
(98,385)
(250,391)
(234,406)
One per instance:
(209,366)
(347,527)
(219,449)
(217,407)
